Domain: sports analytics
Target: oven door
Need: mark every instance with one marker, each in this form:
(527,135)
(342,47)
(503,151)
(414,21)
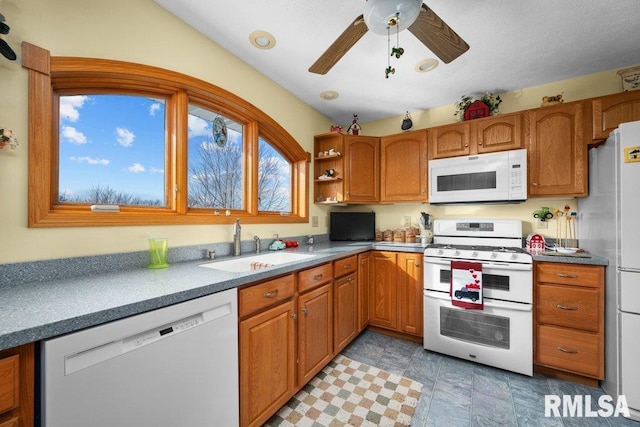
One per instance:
(500,280)
(500,335)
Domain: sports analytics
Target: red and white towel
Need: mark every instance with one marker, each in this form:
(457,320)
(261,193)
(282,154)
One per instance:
(466,284)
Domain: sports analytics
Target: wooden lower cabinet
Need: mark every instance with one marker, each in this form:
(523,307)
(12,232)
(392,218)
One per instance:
(410,291)
(365,279)
(267,363)
(17,373)
(346,309)
(569,321)
(315,332)
(396,300)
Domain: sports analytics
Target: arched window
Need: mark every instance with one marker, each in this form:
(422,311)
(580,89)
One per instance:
(116,143)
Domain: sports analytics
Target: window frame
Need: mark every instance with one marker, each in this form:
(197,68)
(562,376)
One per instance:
(50,77)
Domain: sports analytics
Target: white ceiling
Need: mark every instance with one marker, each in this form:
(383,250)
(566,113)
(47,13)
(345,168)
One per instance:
(514,44)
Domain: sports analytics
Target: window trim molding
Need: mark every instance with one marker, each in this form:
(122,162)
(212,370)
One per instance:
(47,75)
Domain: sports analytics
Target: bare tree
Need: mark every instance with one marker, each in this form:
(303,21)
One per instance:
(217,180)
(105,195)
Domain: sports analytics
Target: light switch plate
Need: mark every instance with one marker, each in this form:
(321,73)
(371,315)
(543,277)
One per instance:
(407,221)
(314,221)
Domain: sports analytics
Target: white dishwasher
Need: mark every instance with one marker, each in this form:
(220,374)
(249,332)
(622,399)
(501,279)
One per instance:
(175,366)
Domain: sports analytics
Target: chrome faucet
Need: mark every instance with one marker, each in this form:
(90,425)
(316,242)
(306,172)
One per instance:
(236,237)
(257,240)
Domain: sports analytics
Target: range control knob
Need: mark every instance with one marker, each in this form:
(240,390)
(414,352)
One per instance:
(474,253)
(456,253)
(440,251)
(514,256)
(494,255)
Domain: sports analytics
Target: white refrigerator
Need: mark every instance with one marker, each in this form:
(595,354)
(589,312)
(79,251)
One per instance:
(613,204)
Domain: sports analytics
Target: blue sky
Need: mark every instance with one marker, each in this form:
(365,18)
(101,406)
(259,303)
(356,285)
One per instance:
(112,139)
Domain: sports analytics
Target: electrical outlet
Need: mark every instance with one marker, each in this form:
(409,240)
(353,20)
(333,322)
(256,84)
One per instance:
(543,225)
(314,221)
(407,221)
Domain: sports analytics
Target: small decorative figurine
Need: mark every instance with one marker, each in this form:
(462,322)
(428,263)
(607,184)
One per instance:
(355,128)
(397,52)
(389,70)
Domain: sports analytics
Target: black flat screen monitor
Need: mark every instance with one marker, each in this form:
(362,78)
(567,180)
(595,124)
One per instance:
(352,226)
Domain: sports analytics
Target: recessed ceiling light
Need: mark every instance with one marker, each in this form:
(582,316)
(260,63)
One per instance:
(426,65)
(329,95)
(262,40)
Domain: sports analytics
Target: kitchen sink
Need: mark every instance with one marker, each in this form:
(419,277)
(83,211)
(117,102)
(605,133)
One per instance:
(256,262)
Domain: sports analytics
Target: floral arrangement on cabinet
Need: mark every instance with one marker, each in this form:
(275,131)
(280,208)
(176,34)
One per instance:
(489,99)
(7,138)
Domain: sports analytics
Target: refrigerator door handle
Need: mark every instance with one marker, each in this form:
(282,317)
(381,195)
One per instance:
(629,269)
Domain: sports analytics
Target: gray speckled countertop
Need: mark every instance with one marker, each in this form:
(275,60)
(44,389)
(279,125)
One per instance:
(589,259)
(39,310)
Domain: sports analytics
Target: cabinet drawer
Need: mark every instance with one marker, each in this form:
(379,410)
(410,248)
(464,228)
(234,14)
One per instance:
(309,279)
(572,307)
(263,295)
(345,266)
(9,382)
(13,422)
(570,350)
(570,274)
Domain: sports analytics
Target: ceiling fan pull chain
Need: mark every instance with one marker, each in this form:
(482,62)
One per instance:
(390,69)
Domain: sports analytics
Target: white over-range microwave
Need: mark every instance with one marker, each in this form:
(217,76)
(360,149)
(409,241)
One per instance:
(484,178)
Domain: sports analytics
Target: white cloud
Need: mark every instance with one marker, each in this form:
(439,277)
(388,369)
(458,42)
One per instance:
(156,170)
(69,106)
(136,168)
(89,160)
(198,126)
(71,134)
(154,108)
(125,137)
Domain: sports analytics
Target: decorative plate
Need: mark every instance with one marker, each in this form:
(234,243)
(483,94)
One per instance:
(219,131)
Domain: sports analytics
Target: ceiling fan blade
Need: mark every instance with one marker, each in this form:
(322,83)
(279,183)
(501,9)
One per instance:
(436,35)
(343,43)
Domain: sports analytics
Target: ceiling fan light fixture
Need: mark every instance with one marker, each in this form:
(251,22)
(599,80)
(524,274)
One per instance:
(262,40)
(329,95)
(426,65)
(379,15)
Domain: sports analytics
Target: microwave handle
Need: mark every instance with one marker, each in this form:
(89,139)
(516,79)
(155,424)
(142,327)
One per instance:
(505,305)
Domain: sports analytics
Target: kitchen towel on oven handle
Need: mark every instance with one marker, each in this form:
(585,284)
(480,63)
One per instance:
(466,285)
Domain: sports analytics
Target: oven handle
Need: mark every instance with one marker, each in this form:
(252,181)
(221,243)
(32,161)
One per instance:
(506,305)
(496,265)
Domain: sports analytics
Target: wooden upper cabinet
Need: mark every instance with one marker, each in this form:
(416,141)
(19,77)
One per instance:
(403,167)
(362,179)
(609,111)
(356,169)
(499,133)
(557,151)
(450,140)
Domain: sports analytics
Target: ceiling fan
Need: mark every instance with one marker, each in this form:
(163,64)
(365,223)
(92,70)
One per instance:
(381,16)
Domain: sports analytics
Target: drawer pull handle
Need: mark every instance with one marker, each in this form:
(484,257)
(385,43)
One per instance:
(347,266)
(317,277)
(567,276)
(271,294)
(565,307)
(564,350)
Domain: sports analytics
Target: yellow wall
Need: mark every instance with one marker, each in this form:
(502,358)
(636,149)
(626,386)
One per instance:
(143,32)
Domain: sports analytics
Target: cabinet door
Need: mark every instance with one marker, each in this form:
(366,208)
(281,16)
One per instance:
(267,363)
(499,133)
(557,152)
(403,169)
(410,292)
(315,333)
(346,311)
(362,180)
(17,386)
(384,306)
(450,140)
(610,111)
(365,278)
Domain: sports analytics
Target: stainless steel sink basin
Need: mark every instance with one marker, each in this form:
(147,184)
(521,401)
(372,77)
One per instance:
(256,262)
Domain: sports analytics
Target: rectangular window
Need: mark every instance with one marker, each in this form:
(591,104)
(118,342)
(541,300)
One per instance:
(274,179)
(112,150)
(215,160)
